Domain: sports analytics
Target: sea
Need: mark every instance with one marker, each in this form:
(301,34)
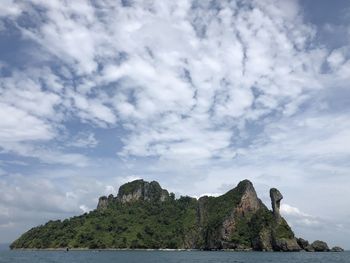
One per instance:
(92,256)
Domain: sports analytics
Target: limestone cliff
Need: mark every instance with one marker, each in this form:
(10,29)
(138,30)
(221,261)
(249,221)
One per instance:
(138,190)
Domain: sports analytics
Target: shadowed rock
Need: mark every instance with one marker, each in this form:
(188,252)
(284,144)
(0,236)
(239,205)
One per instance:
(337,249)
(309,248)
(320,246)
(283,238)
(276,198)
(286,245)
(303,243)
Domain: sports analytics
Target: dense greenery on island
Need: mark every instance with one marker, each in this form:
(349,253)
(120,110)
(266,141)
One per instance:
(144,215)
(132,225)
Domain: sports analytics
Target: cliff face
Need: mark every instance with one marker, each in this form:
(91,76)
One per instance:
(138,190)
(224,219)
(143,215)
(244,222)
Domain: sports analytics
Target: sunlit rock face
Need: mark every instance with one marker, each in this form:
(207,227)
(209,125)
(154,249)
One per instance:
(142,190)
(138,190)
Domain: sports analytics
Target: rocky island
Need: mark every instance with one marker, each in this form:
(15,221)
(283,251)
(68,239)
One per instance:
(145,216)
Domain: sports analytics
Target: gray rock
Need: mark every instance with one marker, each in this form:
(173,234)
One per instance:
(263,242)
(337,249)
(303,243)
(309,248)
(250,203)
(276,198)
(286,245)
(140,190)
(320,246)
(102,203)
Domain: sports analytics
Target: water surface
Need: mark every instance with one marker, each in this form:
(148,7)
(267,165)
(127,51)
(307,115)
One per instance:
(169,257)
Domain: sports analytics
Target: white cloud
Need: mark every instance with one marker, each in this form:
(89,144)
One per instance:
(27,94)
(215,93)
(84,140)
(292,211)
(335,59)
(17,125)
(185,96)
(10,8)
(296,217)
(84,208)
(48,155)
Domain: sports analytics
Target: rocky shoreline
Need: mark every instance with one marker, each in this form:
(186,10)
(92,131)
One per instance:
(334,249)
(317,246)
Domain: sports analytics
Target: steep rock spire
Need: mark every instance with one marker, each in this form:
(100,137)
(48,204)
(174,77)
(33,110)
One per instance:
(249,202)
(276,198)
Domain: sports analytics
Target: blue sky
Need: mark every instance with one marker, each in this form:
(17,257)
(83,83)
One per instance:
(195,94)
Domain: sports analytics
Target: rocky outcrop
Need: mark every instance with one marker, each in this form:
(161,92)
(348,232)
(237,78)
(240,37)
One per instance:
(102,203)
(248,224)
(309,248)
(303,244)
(282,236)
(248,205)
(229,214)
(249,202)
(276,198)
(263,242)
(320,246)
(138,190)
(317,246)
(337,249)
(286,245)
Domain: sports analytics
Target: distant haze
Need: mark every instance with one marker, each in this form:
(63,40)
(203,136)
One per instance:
(196,94)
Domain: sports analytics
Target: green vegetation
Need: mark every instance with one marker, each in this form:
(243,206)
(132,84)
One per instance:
(136,225)
(283,230)
(148,221)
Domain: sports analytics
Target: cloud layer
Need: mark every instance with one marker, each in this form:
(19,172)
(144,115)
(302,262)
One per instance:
(196,94)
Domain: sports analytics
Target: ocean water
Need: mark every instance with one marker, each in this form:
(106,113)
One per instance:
(169,257)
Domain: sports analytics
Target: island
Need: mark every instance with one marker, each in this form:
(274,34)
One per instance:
(143,215)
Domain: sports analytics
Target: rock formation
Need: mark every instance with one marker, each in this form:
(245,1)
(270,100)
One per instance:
(138,190)
(303,244)
(102,203)
(285,244)
(143,215)
(317,246)
(249,203)
(337,249)
(320,246)
(276,198)
(142,190)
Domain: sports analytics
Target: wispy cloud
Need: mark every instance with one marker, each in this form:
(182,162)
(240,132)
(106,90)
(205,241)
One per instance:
(83,140)
(194,95)
(215,91)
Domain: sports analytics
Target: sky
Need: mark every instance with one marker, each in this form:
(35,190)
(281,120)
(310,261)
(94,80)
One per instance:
(195,94)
